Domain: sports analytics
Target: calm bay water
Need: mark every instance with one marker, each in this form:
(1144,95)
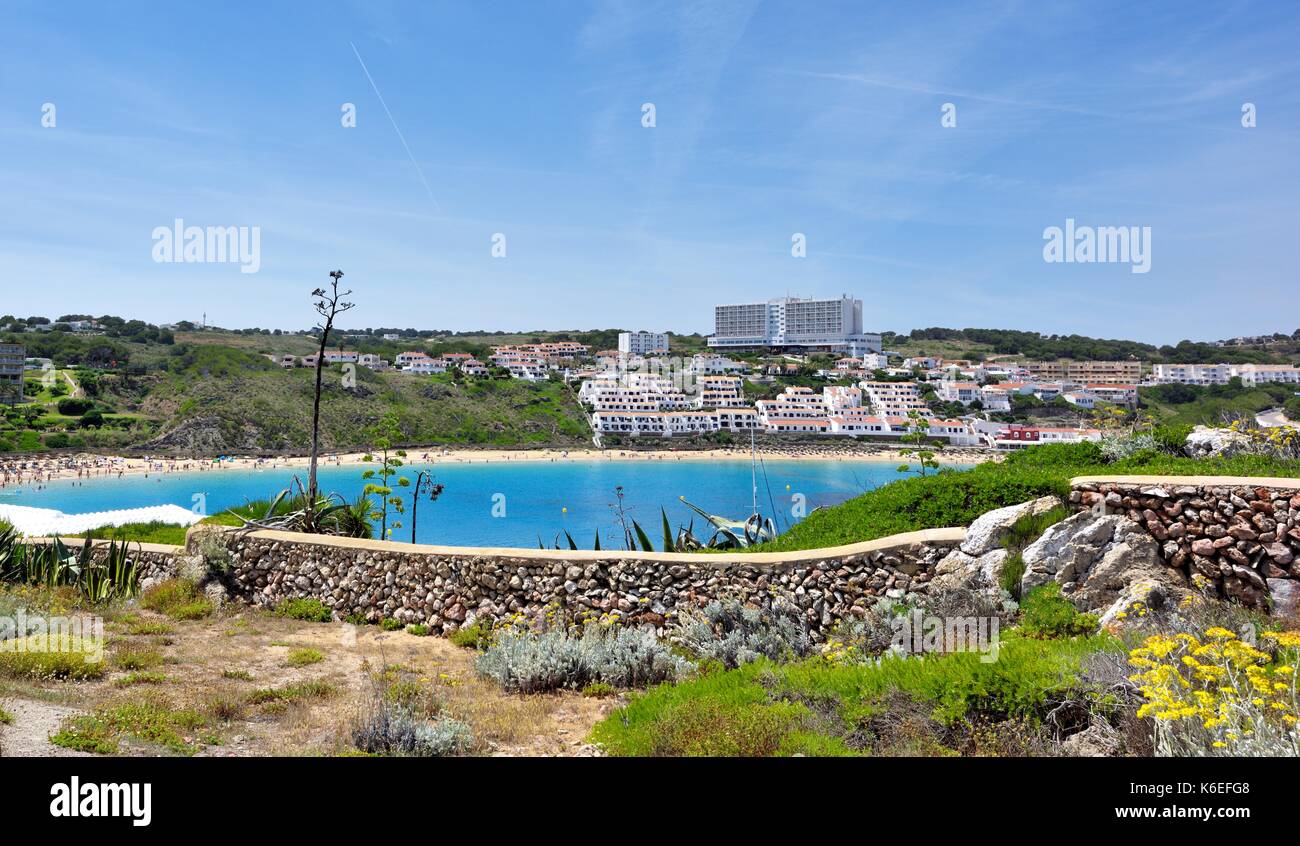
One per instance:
(532,495)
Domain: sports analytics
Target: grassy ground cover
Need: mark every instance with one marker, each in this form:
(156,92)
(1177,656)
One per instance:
(818,707)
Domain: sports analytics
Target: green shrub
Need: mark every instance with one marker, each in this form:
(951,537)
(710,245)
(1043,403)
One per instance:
(388,624)
(309,610)
(179,599)
(83,658)
(304,657)
(1046,614)
(71,407)
(418,629)
(474,636)
(291,692)
(948,498)
(6,718)
(131,659)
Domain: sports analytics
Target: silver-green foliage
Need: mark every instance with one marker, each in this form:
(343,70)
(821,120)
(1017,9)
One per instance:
(731,633)
(524,661)
(392,730)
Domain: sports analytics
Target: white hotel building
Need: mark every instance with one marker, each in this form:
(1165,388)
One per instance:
(642,343)
(794,324)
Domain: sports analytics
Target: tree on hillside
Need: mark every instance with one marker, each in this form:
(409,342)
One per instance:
(329,306)
(921,446)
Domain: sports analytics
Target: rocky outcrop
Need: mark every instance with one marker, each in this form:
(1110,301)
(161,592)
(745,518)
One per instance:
(977,563)
(1230,540)
(1098,561)
(988,530)
(1207,442)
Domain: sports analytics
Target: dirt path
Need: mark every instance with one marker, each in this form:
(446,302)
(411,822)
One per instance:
(27,736)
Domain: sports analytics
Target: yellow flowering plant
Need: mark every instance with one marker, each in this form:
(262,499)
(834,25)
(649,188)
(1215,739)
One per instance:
(1218,694)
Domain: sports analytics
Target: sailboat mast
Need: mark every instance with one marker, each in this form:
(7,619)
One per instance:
(753,473)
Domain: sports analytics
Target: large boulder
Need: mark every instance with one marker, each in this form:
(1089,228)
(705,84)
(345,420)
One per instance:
(959,570)
(1097,560)
(1204,441)
(986,533)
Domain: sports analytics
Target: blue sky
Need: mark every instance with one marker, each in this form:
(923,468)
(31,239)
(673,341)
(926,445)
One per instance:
(772,119)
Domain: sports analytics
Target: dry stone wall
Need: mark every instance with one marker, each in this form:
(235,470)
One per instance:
(447,587)
(1237,538)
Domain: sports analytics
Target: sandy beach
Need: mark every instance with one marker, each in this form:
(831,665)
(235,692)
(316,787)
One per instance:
(19,471)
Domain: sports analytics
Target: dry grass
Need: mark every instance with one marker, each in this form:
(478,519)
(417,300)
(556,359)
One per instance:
(269,685)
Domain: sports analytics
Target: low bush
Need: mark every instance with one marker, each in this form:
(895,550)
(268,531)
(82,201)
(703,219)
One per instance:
(33,657)
(418,629)
(291,693)
(308,610)
(523,661)
(728,632)
(304,657)
(477,635)
(179,599)
(948,498)
(388,624)
(395,731)
(1045,613)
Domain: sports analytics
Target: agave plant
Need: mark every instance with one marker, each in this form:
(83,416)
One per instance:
(328,515)
(735,534)
(113,574)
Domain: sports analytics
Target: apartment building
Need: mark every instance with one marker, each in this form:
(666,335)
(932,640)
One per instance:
(1219,374)
(1191,374)
(790,323)
(711,364)
(719,391)
(1105,372)
(893,399)
(13,358)
(669,423)
(409,357)
(642,343)
(341,357)
(953,390)
(1260,374)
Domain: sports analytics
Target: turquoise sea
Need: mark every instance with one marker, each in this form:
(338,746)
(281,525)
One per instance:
(509,504)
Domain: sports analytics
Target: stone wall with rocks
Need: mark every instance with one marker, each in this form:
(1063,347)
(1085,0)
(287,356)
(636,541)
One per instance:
(447,587)
(1237,538)
(156,560)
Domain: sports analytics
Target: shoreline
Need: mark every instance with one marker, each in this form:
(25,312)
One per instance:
(88,466)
